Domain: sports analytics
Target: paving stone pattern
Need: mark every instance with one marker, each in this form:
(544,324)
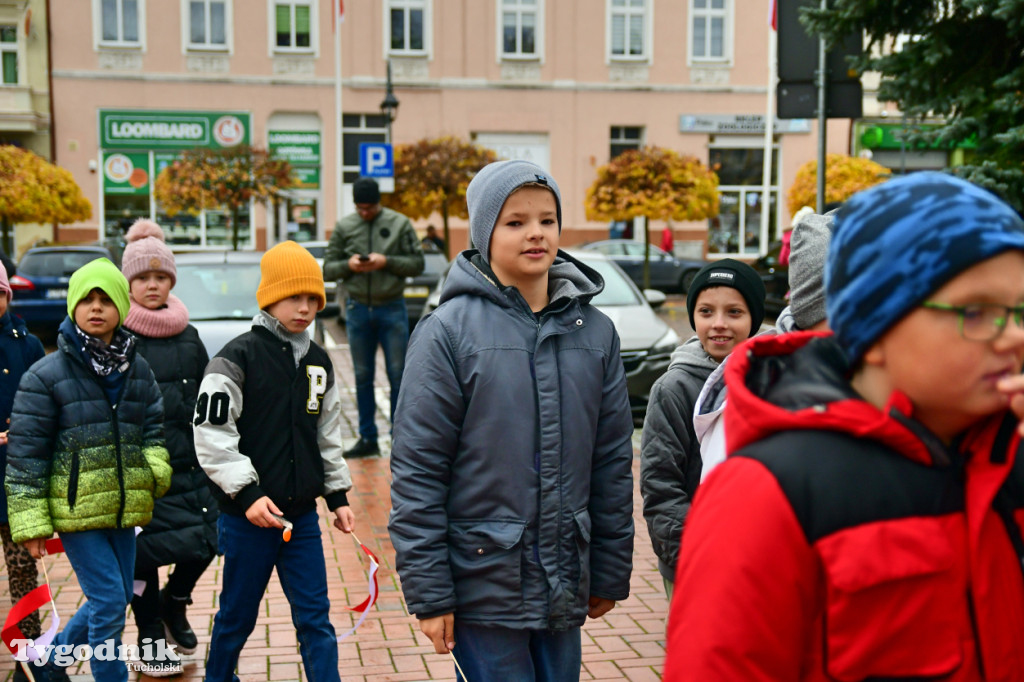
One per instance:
(627,644)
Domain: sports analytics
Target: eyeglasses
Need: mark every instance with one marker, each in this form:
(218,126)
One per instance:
(981,321)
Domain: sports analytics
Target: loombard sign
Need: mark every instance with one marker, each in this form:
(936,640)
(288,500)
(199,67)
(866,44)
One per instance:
(121,129)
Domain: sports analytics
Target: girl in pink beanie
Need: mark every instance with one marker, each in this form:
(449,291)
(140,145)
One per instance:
(183,531)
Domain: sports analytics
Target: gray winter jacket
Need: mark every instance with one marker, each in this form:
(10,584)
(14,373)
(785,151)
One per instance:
(670,460)
(512,459)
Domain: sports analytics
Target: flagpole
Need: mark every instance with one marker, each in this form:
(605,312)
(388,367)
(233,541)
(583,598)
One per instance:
(338,159)
(769,133)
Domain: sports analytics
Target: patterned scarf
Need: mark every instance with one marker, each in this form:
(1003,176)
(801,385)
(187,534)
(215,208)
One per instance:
(107,359)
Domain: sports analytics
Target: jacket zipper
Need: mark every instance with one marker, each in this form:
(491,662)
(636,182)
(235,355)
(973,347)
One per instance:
(117,447)
(73,481)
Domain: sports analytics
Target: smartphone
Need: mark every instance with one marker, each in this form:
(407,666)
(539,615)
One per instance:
(363,256)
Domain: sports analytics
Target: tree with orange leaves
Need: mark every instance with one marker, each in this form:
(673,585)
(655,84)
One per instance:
(652,182)
(431,176)
(34,190)
(221,178)
(844,177)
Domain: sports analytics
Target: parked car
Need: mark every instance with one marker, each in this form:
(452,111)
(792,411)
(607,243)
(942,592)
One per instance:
(776,279)
(417,288)
(668,273)
(646,341)
(219,290)
(330,288)
(41,285)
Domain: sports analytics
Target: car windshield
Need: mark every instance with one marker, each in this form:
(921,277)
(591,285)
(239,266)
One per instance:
(55,263)
(317,251)
(219,291)
(617,290)
(434,263)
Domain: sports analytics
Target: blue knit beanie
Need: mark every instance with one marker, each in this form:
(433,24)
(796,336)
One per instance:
(488,191)
(898,242)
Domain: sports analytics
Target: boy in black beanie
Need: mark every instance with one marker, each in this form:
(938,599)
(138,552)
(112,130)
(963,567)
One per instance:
(725,303)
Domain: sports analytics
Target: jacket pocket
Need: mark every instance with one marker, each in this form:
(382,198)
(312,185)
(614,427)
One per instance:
(583,527)
(486,563)
(73,480)
(896,600)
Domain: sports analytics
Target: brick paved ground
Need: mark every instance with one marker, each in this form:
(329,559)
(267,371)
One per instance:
(627,644)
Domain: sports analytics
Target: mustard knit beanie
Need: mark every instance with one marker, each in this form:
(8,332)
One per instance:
(286,270)
(98,274)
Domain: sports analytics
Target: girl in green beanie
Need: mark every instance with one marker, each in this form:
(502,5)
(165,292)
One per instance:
(86,457)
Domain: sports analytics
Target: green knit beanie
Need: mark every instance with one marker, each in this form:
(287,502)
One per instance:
(98,274)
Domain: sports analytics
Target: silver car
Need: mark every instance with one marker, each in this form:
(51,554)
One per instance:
(646,340)
(219,290)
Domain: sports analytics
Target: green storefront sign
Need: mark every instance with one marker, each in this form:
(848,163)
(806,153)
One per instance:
(887,136)
(295,146)
(126,173)
(121,129)
(306,177)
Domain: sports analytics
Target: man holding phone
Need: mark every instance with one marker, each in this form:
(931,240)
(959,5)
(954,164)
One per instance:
(372,251)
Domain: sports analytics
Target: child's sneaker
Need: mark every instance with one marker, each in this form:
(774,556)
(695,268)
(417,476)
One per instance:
(172,612)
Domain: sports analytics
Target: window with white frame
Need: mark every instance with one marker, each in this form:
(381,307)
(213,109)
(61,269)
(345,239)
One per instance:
(708,31)
(293,30)
(208,24)
(120,22)
(736,230)
(9,53)
(628,24)
(520,28)
(408,22)
(624,138)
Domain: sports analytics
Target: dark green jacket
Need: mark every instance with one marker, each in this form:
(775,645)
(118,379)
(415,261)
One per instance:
(391,234)
(75,461)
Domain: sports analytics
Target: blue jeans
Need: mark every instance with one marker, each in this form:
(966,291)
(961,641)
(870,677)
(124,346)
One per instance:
(385,325)
(104,563)
(250,555)
(517,655)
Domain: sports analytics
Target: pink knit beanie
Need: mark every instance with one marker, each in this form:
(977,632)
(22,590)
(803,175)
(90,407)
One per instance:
(146,251)
(5,285)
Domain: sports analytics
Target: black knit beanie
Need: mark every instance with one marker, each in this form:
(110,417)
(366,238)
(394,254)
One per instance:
(730,273)
(365,191)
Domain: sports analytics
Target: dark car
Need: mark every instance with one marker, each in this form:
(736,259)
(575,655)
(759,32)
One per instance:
(41,285)
(776,279)
(417,288)
(668,273)
(646,340)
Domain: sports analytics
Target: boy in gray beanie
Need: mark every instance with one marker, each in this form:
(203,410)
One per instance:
(511,467)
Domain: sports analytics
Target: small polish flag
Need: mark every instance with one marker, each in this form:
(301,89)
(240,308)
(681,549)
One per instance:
(773,16)
(338,16)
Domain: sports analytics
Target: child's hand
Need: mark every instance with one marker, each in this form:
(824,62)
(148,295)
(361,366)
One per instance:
(599,606)
(261,513)
(441,631)
(344,519)
(3,437)
(36,547)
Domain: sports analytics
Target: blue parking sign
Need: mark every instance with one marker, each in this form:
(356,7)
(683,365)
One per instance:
(375,160)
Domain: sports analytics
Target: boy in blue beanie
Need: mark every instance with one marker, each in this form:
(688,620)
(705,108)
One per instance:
(867,523)
(512,489)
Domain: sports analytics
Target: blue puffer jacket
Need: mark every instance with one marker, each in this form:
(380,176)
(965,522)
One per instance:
(512,493)
(18,350)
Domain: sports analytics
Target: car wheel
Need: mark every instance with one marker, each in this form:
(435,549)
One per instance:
(686,280)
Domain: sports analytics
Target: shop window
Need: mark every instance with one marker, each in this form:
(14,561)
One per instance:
(120,22)
(292,25)
(9,52)
(708,30)
(628,29)
(408,24)
(359,128)
(737,228)
(624,138)
(207,24)
(520,28)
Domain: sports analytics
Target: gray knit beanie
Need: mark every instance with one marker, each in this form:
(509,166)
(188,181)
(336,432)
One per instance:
(809,250)
(490,188)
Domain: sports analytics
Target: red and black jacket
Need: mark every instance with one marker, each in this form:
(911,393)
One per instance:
(844,542)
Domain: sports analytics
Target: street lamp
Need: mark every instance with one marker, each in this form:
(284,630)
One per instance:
(389,107)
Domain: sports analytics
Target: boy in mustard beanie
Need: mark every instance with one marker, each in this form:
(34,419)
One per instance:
(270,440)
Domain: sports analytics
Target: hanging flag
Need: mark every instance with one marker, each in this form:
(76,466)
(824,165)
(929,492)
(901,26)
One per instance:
(364,608)
(28,604)
(339,16)
(773,16)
